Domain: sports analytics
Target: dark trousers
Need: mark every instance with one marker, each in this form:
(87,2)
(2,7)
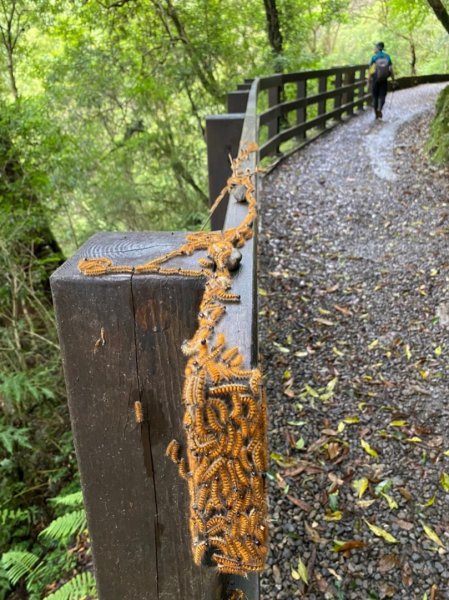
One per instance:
(379,94)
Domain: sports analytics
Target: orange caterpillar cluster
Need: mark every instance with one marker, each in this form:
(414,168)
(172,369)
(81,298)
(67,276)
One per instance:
(225,415)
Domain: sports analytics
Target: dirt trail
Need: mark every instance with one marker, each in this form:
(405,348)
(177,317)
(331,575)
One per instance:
(354,333)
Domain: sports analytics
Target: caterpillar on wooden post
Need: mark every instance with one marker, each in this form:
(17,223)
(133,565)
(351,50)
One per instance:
(225,418)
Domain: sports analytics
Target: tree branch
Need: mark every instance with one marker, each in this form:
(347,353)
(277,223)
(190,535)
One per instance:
(440,12)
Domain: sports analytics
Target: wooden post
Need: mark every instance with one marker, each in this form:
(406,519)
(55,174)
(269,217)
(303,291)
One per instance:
(339,97)
(237,101)
(322,87)
(274,98)
(349,95)
(120,337)
(301,113)
(223,138)
(361,88)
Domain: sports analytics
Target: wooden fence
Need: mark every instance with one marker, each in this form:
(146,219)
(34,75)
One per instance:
(120,339)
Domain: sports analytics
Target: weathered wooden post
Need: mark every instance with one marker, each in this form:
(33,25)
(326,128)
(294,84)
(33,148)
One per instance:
(337,86)
(223,138)
(322,88)
(301,113)
(348,80)
(120,339)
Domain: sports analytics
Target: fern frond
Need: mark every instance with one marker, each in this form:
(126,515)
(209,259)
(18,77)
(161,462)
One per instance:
(79,588)
(18,563)
(66,526)
(72,500)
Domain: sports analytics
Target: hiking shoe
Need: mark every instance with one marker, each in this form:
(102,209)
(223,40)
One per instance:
(379,114)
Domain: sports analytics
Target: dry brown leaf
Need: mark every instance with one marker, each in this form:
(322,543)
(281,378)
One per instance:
(388,562)
(344,311)
(405,493)
(406,575)
(313,534)
(403,524)
(333,450)
(346,548)
(297,502)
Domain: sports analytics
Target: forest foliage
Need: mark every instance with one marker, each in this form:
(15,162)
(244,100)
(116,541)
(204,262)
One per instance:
(103,105)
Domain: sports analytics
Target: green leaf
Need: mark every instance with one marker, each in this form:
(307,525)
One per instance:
(368,449)
(379,532)
(432,535)
(444,480)
(300,444)
(360,486)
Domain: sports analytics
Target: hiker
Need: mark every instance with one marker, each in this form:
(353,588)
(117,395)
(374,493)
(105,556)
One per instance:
(380,69)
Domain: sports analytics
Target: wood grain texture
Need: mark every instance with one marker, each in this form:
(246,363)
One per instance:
(136,503)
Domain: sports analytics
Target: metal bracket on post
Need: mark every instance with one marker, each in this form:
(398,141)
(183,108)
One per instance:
(223,138)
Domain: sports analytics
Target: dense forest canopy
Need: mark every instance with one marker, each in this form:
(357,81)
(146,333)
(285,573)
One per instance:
(102,116)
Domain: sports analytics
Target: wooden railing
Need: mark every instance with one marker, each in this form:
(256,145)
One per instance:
(288,111)
(121,335)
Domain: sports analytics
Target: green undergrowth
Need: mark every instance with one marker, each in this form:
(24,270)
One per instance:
(439,133)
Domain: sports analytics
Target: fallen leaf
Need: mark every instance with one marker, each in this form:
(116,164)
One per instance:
(430,502)
(324,322)
(311,391)
(432,535)
(368,449)
(392,504)
(351,420)
(398,423)
(373,344)
(333,450)
(346,547)
(379,532)
(406,575)
(408,354)
(297,502)
(281,348)
(365,503)
(344,311)
(360,486)
(438,350)
(403,524)
(444,480)
(405,493)
(333,516)
(301,572)
(388,562)
(313,534)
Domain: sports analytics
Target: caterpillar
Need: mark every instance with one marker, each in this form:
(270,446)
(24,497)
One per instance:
(172,451)
(225,416)
(138,412)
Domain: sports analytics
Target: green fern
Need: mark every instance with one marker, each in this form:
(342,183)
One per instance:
(72,500)
(79,588)
(11,436)
(17,564)
(66,526)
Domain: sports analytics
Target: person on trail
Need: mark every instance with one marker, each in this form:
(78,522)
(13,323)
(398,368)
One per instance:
(380,69)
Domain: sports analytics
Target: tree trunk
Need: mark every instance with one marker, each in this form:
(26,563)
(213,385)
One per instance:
(274,33)
(440,12)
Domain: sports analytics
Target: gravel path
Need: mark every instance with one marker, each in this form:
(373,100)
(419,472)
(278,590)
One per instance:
(354,310)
